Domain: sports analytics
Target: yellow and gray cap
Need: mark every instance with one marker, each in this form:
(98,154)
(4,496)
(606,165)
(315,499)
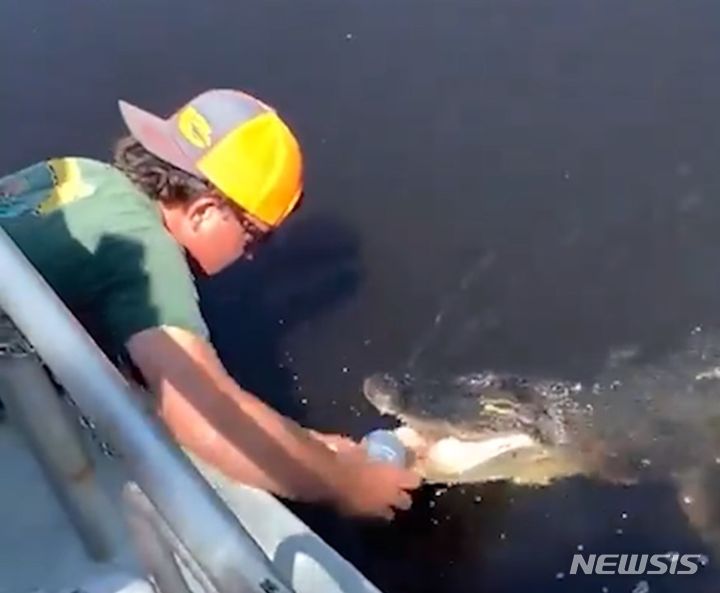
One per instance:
(234,141)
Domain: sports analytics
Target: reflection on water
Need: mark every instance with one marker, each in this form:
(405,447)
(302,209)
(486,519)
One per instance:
(666,411)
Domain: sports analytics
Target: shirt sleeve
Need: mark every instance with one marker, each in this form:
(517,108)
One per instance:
(24,191)
(148,284)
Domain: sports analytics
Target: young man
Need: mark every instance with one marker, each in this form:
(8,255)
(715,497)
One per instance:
(207,184)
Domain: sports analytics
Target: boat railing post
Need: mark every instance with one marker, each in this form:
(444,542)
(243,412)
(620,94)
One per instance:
(34,406)
(154,550)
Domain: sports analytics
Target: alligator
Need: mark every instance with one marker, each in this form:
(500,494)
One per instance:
(485,426)
(638,421)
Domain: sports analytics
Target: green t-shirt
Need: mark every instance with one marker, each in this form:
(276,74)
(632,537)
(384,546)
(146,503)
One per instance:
(101,244)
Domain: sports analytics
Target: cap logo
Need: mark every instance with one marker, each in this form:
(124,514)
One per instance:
(195,128)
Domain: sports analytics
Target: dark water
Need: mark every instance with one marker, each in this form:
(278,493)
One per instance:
(541,175)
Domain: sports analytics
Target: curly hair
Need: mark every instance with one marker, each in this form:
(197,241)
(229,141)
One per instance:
(158,179)
(163,182)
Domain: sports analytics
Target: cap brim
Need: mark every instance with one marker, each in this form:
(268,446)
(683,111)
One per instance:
(156,135)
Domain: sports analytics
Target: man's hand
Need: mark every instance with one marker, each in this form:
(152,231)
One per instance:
(372,489)
(369,488)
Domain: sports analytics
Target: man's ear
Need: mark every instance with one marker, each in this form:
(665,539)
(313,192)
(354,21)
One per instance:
(202,209)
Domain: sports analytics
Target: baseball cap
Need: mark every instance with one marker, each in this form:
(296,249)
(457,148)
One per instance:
(234,141)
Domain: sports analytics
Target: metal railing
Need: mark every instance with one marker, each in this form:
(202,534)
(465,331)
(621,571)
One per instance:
(214,538)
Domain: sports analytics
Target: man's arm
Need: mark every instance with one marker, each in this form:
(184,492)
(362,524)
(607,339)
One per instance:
(230,428)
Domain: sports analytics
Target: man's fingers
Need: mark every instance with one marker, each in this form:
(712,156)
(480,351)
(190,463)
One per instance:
(404,501)
(344,444)
(388,514)
(336,442)
(410,480)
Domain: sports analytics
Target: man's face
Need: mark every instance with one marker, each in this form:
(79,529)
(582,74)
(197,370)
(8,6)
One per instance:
(215,232)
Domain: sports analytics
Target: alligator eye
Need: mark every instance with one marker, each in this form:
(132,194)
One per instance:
(477,381)
(559,389)
(485,379)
